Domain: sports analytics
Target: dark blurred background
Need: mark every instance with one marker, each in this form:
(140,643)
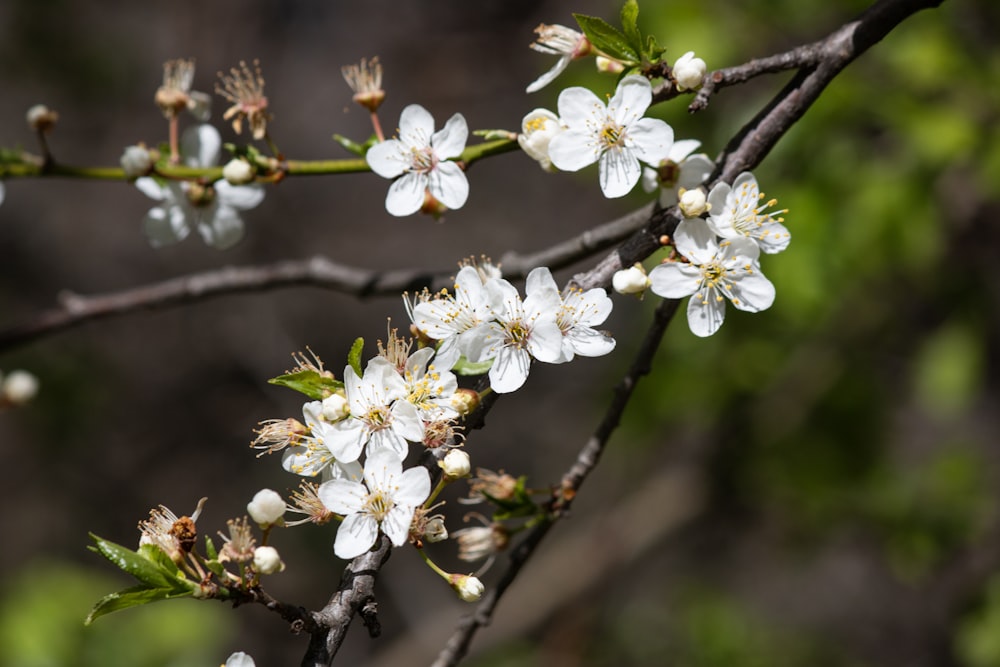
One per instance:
(815,484)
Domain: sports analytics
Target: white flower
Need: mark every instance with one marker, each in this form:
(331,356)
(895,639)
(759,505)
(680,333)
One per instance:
(267,508)
(311,454)
(468,587)
(238,172)
(421,159)
(521,331)
(615,136)
(678,170)
(429,389)
(136,161)
(19,387)
(737,212)
(386,500)
(693,203)
(632,280)
(240,659)
(537,130)
(213,209)
(456,464)
(453,319)
(558,40)
(578,314)
(717,271)
(266,560)
(689,72)
(381,417)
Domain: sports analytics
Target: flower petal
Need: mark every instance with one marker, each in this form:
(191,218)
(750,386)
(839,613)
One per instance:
(243,197)
(696,241)
(224,228)
(387,159)
(632,97)
(753,292)
(572,150)
(413,486)
(549,77)
(406,194)
(355,536)
(706,312)
(342,496)
(674,280)
(650,139)
(164,225)
(381,470)
(200,145)
(448,184)
(149,187)
(579,107)
(449,141)
(694,170)
(510,370)
(416,125)
(681,149)
(618,171)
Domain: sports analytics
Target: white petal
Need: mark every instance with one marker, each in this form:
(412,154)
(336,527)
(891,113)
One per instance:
(753,292)
(510,370)
(549,76)
(546,341)
(632,97)
(589,342)
(650,139)
(224,229)
(619,171)
(450,140)
(406,421)
(396,524)
(406,194)
(573,150)
(448,184)
(538,279)
(388,440)
(414,486)
(164,225)
(381,469)
(681,149)
(355,536)
(674,280)
(342,496)
(694,171)
(200,145)
(705,316)
(695,240)
(579,107)
(416,125)
(387,159)
(347,438)
(243,197)
(149,187)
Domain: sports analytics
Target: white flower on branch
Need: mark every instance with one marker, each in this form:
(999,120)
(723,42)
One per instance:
(737,212)
(421,159)
(577,316)
(214,210)
(537,130)
(689,72)
(386,500)
(679,170)
(616,136)
(558,40)
(308,450)
(715,271)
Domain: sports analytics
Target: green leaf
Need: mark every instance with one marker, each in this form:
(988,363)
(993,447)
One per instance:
(314,385)
(354,358)
(130,597)
(161,559)
(607,39)
(210,551)
(630,24)
(352,146)
(466,367)
(654,52)
(136,564)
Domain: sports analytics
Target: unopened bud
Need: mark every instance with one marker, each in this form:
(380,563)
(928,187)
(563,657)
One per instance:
(468,587)
(335,407)
(267,561)
(606,65)
(632,280)
(41,118)
(238,172)
(689,72)
(19,387)
(465,400)
(456,464)
(692,203)
(267,508)
(136,161)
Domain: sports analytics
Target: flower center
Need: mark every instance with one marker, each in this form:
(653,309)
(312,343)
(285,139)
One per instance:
(517,334)
(750,211)
(612,135)
(378,418)
(378,504)
(422,160)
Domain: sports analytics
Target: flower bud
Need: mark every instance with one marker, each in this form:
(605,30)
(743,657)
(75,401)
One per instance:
(240,659)
(468,587)
(692,202)
(632,280)
(41,118)
(238,172)
(538,129)
(267,508)
(689,72)
(19,387)
(456,464)
(435,531)
(335,407)
(606,65)
(267,561)
(136,161)
(465,400)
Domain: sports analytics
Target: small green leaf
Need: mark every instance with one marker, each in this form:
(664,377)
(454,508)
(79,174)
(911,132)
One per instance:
(607,39)
(314,385)
(352,146)
(210,551)
(495,135)
(136,564)
(130,597)
(161,559)
(354,357)
(630,24)
(654,52)
(466,367)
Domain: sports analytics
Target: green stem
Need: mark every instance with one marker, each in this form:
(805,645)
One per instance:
(431,564)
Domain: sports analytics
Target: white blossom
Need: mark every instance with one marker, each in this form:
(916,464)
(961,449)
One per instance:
(578,314)
(679,170)
(214,210)
(311,455)
(429,388)
(267,508)
(386,500)
(537,130)
(421,158)
(455,464)
(632,280)
(693,203)
(266,560)
(715,271)
(689,72)
(738,212)
(558,40)
(616,136)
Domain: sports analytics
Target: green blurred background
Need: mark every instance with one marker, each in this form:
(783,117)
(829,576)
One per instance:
(815,484)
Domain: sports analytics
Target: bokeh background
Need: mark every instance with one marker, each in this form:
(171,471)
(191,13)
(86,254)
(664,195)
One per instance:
(816,484)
